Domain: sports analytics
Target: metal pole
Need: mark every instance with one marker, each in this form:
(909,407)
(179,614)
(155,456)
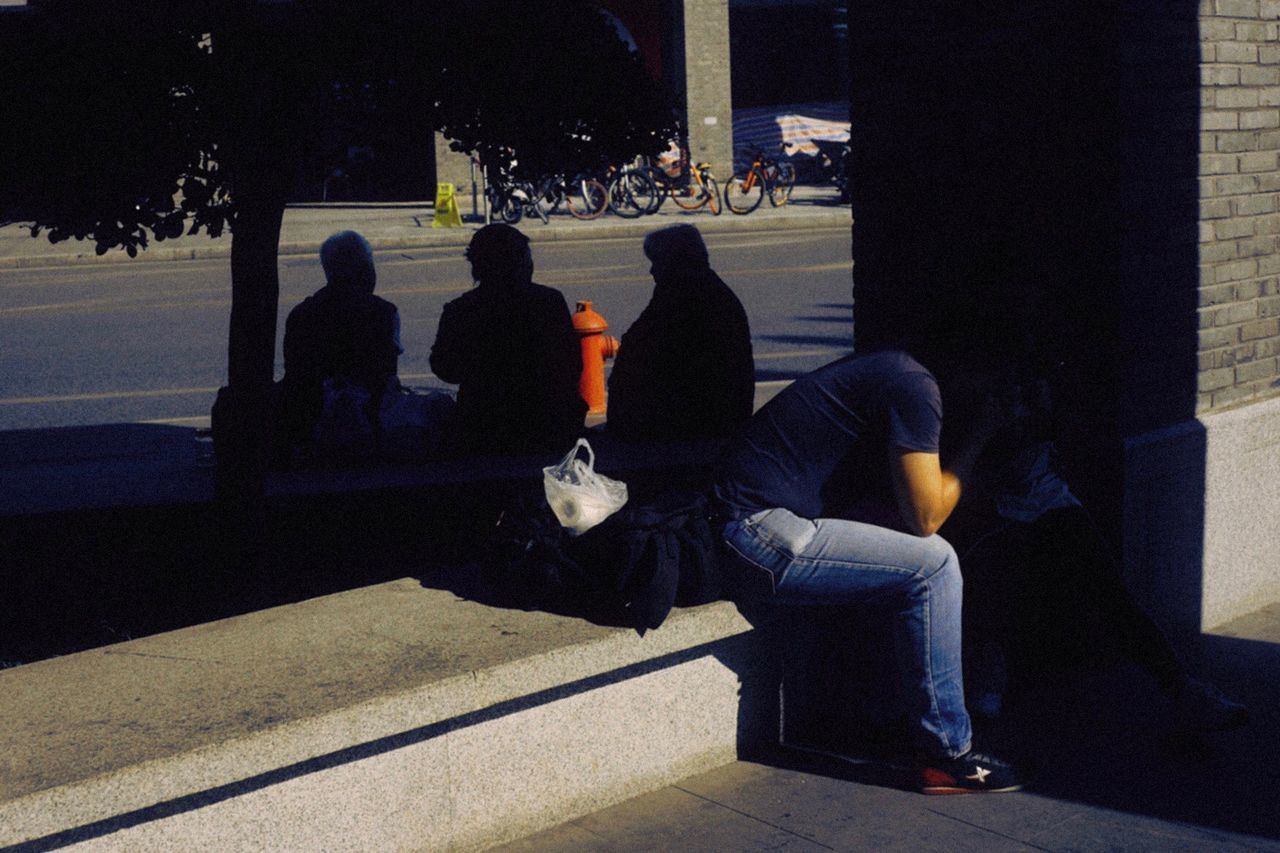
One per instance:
(475,211)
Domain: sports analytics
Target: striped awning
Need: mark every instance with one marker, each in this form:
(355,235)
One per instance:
(788,128)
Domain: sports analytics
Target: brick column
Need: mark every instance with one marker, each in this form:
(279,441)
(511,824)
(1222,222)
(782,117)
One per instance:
(709,106)
(1239,304)
(1095,188)
(1200,330)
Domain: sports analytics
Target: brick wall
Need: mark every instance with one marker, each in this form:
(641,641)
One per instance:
(1239,202)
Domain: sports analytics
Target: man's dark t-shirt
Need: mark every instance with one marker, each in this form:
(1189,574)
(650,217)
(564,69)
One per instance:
(822,447)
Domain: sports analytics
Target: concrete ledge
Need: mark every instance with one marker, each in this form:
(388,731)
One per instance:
(1196,553)
(1242,477)
(390,717)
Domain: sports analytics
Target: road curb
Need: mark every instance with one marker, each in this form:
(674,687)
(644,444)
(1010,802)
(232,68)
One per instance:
(834,218)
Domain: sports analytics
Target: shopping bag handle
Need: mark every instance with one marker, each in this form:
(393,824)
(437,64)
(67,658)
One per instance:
(591,454)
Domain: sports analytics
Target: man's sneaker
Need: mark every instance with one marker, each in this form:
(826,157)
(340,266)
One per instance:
(971,773)
(1200,707)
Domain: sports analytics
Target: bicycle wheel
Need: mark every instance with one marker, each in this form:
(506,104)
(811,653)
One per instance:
(586,199)
(689,197)
(713,195)
(783,184)
(741,197)
(661,187)
(622,198)
(505,207)
(643,190)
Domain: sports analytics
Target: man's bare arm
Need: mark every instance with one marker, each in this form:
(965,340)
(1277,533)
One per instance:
(926,492)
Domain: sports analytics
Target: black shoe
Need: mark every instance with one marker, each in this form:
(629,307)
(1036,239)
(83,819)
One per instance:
(971,773)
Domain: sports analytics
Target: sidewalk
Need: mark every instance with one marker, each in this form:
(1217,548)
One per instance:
(1108,777)
(408,226)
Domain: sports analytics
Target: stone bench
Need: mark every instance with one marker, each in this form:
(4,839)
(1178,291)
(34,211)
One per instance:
(395,716)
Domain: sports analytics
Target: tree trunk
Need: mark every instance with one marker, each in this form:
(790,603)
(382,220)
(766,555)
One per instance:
(255,291)
(244,412)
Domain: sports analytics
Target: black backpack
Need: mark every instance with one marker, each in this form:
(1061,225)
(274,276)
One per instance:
(632,567)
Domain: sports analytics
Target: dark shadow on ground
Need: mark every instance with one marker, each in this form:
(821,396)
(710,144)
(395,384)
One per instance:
(1100,735)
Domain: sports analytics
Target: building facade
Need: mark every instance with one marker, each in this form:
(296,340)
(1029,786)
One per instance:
(1096,189)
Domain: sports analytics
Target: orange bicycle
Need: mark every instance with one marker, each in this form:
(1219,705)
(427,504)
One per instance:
(744,192)
(702,190)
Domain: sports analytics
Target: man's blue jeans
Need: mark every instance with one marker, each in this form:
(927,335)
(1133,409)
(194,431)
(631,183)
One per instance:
(832,562)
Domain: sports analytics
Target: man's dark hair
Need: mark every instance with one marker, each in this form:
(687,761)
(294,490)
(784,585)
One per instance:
(678,245)
(496,251)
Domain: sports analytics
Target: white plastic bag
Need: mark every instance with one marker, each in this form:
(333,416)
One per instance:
(579,496)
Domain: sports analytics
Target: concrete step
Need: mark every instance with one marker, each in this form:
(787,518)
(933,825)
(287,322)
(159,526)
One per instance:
(392,717)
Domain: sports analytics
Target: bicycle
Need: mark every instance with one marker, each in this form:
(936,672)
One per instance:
(631,192)
(583,197)
(833,159)
(509,203)
(744,192)
(702,190)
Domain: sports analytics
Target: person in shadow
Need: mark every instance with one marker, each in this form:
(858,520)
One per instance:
(684,368)
(510,347)
(864,430)
(1045,592)
(340,334)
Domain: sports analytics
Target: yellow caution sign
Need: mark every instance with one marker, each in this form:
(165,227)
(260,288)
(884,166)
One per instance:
(447,213)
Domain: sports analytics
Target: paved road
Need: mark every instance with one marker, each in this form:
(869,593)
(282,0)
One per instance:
(147,341)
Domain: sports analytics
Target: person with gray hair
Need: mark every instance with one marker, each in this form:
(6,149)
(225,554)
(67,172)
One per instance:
(684,369)
(342,332)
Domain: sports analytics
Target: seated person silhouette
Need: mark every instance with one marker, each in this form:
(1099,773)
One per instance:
(510,347)
(1043,588)
(340,334)
(684,368)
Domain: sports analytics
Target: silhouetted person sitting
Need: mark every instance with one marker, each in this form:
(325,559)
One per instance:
(1042,586)
(341,334)
(684,369)
(510,347)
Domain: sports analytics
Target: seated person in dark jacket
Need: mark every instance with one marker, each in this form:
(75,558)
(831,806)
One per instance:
(510,347)
(684,369)
(342,331)
(1045,590)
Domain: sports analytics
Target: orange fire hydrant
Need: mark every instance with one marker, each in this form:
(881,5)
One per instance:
(596,347)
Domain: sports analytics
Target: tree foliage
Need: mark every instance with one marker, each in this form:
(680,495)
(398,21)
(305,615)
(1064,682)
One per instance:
(128,120)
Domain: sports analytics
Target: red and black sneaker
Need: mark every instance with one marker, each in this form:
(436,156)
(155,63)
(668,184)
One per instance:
(971,773)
